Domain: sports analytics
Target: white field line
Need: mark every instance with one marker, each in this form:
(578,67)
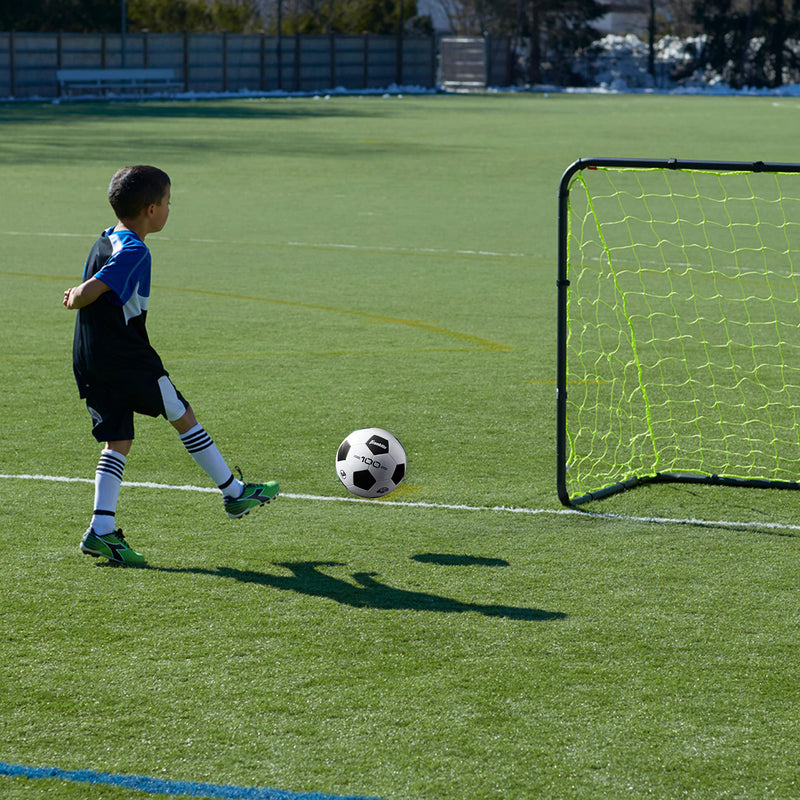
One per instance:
(302,245)
(388,249)
(751,525)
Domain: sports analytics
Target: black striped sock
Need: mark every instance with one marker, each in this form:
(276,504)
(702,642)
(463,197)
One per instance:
(202,449)
(107,483)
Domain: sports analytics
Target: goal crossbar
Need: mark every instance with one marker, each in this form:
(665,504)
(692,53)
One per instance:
(658,379)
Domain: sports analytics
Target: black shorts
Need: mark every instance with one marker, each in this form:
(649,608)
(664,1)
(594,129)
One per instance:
(112,407)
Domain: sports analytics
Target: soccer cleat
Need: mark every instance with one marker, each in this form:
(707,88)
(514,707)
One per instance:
(112,546)
(253,496)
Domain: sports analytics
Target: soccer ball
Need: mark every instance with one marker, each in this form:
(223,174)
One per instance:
(371,462)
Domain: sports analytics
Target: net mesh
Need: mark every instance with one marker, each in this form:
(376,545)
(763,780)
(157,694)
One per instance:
(683,340)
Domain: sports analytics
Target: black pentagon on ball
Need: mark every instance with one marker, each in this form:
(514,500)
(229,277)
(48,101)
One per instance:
(399,473)
(344,449)
(377,445)
(363,479)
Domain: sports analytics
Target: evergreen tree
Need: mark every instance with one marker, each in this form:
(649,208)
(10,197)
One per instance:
(345,16)
(102,16)
(73,16)
(567,29)
(197,16)
(748,42)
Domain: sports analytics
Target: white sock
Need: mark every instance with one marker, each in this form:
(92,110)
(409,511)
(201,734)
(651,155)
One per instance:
(202,449)
(107,482)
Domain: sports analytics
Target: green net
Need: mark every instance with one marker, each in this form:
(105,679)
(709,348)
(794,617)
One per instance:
(683,325)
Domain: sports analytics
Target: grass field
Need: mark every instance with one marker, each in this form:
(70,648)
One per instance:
(332,264)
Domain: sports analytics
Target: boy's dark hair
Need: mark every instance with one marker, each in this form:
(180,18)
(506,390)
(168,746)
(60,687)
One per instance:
(133,189)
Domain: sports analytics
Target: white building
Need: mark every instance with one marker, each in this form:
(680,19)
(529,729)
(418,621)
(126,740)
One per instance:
(623,18)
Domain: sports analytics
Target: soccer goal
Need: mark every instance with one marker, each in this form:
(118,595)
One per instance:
(678,325)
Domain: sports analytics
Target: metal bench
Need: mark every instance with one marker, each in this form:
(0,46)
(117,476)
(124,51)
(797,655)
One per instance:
(118,80)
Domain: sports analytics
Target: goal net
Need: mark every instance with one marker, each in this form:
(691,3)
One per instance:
(679,325)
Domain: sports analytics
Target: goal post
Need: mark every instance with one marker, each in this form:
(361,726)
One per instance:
(678,353)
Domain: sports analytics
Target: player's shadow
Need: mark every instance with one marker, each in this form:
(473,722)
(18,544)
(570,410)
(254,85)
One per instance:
(367,592)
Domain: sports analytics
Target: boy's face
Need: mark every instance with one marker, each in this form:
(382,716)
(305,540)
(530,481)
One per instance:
(159,213)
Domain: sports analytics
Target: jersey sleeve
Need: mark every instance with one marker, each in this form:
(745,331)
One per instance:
(123,272)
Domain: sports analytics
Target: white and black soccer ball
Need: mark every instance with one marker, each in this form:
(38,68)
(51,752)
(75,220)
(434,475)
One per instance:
(371,462)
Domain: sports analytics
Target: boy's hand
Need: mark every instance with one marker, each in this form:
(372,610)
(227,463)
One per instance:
(86,293)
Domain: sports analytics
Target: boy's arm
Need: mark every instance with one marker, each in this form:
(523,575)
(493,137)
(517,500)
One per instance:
(86,293)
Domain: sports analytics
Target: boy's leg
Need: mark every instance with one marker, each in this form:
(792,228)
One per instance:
(239,497)
(107,482)
(102,538)
(202,449)
(197,442)
(112,427)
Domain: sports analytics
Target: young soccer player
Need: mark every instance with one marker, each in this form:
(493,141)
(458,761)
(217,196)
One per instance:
(119,373)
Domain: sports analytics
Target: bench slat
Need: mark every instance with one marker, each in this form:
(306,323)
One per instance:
(120,79)
(144,74)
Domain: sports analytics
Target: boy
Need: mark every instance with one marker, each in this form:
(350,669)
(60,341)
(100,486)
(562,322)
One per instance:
(117,370)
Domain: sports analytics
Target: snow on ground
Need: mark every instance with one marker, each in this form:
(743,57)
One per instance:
(621,66)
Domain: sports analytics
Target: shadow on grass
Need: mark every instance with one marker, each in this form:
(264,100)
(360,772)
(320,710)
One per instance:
(453,560)
(225,109)
(180,131)
(367,592)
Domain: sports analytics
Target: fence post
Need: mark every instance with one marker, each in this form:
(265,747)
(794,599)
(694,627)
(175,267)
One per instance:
(297,58)
(224,61)
(186,61)
(332,59)
(11,64)
(365,75)
(123,34)
(261,82)
(279,45)
(398,71)
(279,57)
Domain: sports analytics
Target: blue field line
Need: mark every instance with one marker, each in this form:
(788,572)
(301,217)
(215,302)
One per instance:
(148,785)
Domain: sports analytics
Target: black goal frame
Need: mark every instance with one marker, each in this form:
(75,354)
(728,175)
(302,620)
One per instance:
(562,328)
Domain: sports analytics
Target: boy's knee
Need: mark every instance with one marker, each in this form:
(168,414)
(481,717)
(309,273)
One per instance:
(123,446)
(186,422)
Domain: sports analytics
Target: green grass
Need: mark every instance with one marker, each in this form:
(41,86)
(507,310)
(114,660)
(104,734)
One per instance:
(330,265)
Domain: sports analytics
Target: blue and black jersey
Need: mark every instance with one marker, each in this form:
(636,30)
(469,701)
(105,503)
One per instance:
(111,345)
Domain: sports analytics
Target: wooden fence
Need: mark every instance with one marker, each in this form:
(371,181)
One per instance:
(226,62)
